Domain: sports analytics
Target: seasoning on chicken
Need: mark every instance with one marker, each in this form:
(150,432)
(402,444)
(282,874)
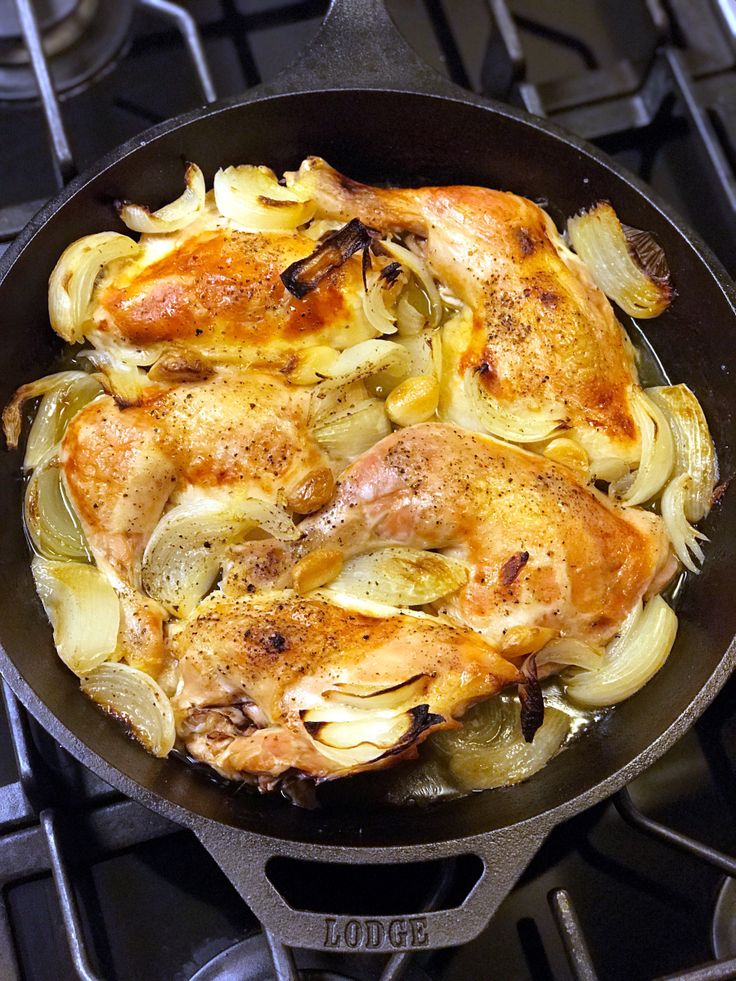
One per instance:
(216,288)
(541,336)
(241,435)
(279,682)
(544,549)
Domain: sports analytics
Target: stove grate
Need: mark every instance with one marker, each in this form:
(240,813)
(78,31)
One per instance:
(688,64)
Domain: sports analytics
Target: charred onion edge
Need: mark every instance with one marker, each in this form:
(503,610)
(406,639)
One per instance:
(649,255)
(531,699)
(303,276)
(422,720)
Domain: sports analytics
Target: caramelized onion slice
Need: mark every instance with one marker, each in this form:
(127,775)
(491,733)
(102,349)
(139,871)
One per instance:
(354,431)
(518,423)
(568,651)
(83,609)
(366,739)
(171,217)
(379,303)
(74,276)
(55,411)
(50,520)
(490,750)
(625,263)
(185,552)
(400,576)
(695,454)
(657,454)
(253,197)
(136,700)
(684,538)
(365,359)
(630,660)
(46,433)
(415,264)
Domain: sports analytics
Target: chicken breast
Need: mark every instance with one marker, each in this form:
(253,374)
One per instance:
(544,549)
(541,338)
(280,682)
(216,288)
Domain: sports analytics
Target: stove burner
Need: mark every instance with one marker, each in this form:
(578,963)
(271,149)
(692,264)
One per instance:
(250,960)
(724,921)
(83,39)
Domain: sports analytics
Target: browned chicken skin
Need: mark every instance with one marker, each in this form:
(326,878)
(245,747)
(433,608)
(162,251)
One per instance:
(284,682)
(243,432)
(217,289)
(544,549)
(541,333)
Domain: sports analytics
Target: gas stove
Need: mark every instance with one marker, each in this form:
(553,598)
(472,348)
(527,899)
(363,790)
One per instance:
(641,887)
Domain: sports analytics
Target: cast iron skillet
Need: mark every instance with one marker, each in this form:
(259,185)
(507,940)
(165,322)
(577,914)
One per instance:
(360,98)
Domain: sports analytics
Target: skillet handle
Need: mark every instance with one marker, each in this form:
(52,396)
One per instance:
(244,859)
(359,47)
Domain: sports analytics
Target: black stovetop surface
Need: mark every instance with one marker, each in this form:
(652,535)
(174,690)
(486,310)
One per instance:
(148,904)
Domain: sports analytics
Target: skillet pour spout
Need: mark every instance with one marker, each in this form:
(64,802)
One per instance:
(360,97)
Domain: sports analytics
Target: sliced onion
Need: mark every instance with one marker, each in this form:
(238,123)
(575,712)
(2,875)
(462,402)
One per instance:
(12,419)
(517,423)
(378,305)
(569,651)
(657,454)
(319,227)
(355,430)
(695,454)
(365,359)
(83,609)
(630,660)
(185,552)
(172,216)
(73,280)
(683,536)
(253,197)
(625,263)
(137,700)
(400,576)
(568,453)
(609,469)
(52,525)
(490,750)
(409,320)
(55,411)
(127,383)
(419,267)
(425,353)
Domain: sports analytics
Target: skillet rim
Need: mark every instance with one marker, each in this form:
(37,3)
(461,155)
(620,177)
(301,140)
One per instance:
(196,820)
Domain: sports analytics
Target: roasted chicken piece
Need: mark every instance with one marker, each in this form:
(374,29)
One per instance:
(544,549)
(234,434)
(540,337)
(216,288)
(279,682)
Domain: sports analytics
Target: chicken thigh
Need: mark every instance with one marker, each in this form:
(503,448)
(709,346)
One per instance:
(543,548)
(279,682)
(542,341)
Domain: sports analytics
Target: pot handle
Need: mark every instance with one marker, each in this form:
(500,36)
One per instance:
(359,47)
(244,858)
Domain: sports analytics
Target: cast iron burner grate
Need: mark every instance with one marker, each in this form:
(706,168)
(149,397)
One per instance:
(665,96)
